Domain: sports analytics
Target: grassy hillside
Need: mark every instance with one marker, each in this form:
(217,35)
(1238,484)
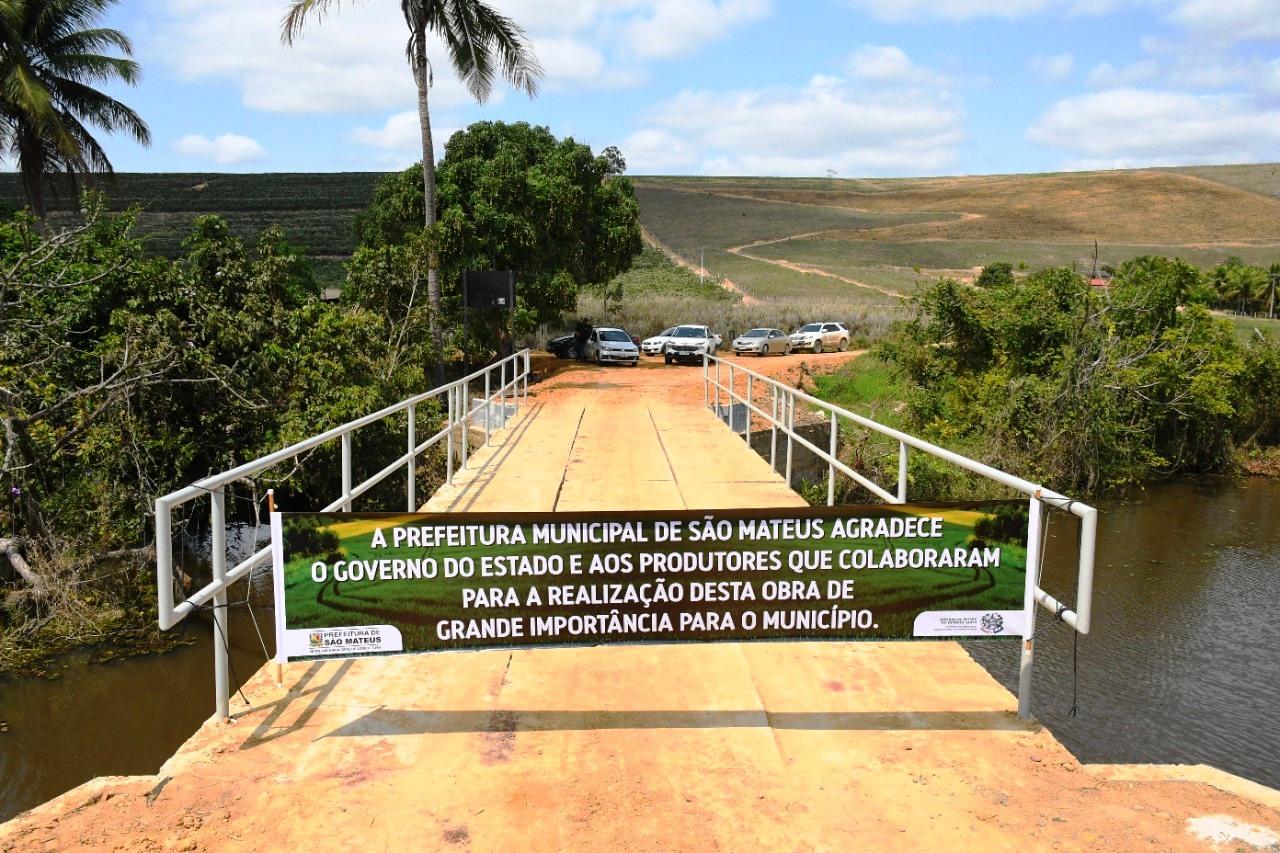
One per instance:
(864,242)
(866,239)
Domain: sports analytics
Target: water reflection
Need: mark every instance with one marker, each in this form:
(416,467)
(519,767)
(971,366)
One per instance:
(1182,663)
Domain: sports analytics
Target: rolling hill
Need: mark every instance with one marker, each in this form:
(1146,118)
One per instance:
(865,241)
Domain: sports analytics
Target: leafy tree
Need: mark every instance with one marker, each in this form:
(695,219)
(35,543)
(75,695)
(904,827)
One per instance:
(999,274)
(52,52)
(480,42)
(1084,390)
(511,196)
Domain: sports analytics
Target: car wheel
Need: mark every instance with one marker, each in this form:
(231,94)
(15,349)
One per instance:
(817,346)
(844,344)
(666,356)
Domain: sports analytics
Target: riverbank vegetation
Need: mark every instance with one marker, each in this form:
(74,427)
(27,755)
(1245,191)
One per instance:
(124,376)
(1084,389)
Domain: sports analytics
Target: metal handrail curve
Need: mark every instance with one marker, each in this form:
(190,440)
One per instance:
(460,414)
(782,419)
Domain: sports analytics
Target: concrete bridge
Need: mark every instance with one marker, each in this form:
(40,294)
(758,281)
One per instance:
(769,745)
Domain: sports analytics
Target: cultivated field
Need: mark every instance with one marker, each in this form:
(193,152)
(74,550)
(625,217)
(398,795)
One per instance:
(317,211)
(866,240)
(812,241)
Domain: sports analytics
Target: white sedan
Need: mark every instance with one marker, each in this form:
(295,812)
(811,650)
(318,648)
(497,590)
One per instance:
(657,345)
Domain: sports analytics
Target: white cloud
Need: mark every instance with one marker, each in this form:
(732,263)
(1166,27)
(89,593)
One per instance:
(1149,127)
(401,132)
(398,143)
(657,152)
(228,149)
(1104,75)
(830,123)
(353,60)
(1230,20)
(1052,68)
(671,28)
(890,65)
(953,10)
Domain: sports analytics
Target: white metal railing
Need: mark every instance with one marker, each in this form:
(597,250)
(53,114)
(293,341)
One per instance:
(781,418)
(512,384)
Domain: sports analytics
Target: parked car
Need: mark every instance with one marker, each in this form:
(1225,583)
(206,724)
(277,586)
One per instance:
(562,347)
(690,342)
(821,336)
(762,342)
(658,343)
(611,346)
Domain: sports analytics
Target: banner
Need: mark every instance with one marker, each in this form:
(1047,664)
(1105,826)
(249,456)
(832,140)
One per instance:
(351,584)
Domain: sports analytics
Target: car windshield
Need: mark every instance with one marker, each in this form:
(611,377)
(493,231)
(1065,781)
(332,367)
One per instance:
(812,327)
(757,333)
(690,332)
(614,335)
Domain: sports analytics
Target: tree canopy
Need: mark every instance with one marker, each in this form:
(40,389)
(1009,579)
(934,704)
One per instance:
(1087,389)
(512,196)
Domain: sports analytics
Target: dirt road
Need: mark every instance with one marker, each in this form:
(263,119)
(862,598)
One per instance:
(796,746)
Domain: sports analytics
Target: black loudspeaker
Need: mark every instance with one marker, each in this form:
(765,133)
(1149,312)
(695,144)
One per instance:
(489,289)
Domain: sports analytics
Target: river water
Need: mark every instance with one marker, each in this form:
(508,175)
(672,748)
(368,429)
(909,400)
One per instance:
(1182,666)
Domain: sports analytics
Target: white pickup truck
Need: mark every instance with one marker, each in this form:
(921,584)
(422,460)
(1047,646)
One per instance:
(687,343)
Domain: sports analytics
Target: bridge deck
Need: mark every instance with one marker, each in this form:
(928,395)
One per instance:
(772,745)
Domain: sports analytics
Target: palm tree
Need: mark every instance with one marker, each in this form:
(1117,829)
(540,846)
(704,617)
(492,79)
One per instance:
(480,42)
(51,56)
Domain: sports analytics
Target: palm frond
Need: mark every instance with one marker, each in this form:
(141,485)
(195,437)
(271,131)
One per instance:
(299,13)
(519,64)
(469,48)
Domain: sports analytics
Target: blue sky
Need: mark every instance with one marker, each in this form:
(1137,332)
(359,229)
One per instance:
(762,87)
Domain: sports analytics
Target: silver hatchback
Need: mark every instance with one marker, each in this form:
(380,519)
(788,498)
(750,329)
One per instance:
(611,346)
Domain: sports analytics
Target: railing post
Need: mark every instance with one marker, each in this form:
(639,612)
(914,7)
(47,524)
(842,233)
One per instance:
(488,405)
(746,429)
(706,379)
(164,565)
(346,472)
(448,453)
(773,433)
(789,403)
(526,377)
(902,472)
(412,489)
(465,391)
(729,397)
(502,393)
(717,388)
(218,555)
(831,463)
(1029,607)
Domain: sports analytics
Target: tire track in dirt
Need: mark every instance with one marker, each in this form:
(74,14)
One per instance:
(741,251)
(675,258)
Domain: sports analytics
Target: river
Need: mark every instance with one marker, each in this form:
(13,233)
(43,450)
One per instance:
(1182,666)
